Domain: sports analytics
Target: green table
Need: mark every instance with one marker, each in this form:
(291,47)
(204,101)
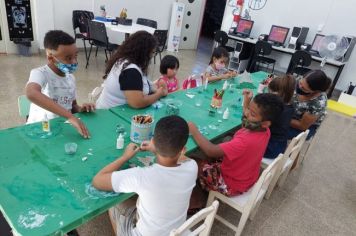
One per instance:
(199,115)
(47,192)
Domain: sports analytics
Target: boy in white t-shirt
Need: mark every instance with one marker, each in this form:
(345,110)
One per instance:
(164,188)
(51,88)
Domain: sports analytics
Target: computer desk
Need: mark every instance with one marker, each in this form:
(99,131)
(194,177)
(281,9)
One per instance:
(339,65)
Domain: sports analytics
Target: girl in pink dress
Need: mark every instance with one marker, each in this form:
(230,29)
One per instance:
(168,68)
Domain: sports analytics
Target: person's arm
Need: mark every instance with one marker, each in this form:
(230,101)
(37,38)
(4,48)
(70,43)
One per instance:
(305,122)
(248,94)
(102,180)
(212,78)
(132,86)
(137,99)
(213,151)
(34,94)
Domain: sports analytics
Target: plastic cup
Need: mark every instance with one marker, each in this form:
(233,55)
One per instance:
(70,148)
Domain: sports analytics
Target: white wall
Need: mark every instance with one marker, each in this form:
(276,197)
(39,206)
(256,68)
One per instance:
(57,14)
(158,10)
(54,14)
(336,16)
(43,19)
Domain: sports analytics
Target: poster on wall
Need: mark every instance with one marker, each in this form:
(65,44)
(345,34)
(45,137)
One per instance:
(175,27)
(18,13)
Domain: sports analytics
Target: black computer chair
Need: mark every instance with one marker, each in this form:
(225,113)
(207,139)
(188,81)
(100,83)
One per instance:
(262,49)
(147,22)
(99,39)
(221,39)
(161,36)
(299,62)
(80,21)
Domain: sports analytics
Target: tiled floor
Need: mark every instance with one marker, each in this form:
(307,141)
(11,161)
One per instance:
(318,199)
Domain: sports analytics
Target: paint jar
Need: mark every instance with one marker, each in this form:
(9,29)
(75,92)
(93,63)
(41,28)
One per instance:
(141,128)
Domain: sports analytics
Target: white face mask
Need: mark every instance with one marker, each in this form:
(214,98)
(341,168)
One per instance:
(219,66)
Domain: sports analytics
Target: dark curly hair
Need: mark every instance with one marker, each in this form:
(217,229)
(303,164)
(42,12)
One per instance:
(271,106)
(168,145)
(136,49)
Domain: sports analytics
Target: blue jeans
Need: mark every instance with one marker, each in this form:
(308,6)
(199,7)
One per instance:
(292,132)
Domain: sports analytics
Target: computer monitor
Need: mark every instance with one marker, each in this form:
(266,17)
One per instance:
(278,35)
(244,28)
(316,42)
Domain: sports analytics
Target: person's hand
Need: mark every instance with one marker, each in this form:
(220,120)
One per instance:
(148,146)
(247,94)
(87,107)
(226,75)
(163,91)
(130,151)
(81,128)
(233,73)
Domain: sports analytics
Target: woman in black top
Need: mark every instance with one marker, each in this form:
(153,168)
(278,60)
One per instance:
(282,86)
(126,80)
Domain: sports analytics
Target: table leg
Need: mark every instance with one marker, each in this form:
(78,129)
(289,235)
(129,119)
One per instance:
(335,80)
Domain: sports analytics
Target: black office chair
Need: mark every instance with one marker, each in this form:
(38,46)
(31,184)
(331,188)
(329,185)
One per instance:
(161,36)
(99,39)
(80,21)
(262,49)
(147,22)
(221,39)
(299,62)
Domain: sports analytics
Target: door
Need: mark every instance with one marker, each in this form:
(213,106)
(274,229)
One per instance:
(193,15)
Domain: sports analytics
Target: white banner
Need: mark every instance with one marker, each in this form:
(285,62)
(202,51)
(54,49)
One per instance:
(176,27)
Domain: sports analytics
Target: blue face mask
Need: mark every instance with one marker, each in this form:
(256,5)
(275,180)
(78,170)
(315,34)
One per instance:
(66,68)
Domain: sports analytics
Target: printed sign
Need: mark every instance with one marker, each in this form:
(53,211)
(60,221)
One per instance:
(175,26)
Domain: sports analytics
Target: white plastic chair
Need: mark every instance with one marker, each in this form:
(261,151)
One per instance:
(94,95)
(248,202)
(207,213)
(293,154)
(303,151)
(23,105)
(288,158)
